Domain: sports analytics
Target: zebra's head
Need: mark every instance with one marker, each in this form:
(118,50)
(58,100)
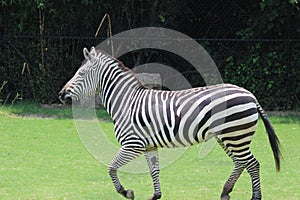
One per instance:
(85,82)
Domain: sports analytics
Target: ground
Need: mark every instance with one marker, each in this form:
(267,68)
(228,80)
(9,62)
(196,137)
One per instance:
(42,157)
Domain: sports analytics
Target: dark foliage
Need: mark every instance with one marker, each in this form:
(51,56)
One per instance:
(254,43)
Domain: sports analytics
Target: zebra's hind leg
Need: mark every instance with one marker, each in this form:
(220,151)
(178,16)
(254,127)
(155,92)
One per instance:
(124,156)
(253,170)
(238,169)
(153,163)
(239,166)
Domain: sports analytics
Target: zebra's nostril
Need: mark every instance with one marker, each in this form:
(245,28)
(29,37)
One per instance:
(65,98)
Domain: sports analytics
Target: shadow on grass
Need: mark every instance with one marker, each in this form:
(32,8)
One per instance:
(58,111)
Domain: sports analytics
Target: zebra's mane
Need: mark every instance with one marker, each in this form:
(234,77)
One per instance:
(121,66)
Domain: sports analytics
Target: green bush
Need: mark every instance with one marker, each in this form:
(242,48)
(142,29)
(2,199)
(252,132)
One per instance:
(269,68)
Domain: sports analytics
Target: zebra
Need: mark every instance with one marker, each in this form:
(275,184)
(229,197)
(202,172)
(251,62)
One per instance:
(146,119)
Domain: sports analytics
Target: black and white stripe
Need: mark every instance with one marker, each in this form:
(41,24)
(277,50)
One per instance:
(147,119)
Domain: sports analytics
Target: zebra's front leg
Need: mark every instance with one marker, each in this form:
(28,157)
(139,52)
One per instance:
(152,160)
(124,156)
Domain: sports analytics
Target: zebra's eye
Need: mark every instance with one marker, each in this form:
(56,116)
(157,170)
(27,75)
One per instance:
(81,73)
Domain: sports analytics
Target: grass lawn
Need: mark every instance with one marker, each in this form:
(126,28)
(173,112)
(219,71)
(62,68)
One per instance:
(43,158)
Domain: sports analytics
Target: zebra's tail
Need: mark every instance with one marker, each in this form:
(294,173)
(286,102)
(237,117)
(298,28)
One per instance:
(274,141)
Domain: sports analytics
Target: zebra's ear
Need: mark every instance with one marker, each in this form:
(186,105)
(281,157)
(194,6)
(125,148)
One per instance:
(93,51)
(88,55)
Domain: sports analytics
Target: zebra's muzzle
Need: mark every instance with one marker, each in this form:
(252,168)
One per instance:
(65,96)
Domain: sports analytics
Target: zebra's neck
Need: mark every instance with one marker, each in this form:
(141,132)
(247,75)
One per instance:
(116,84)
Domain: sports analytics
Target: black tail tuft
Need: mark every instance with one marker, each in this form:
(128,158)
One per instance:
(274,141)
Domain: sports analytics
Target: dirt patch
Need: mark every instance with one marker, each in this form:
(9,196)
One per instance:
(39,116)
(54,106)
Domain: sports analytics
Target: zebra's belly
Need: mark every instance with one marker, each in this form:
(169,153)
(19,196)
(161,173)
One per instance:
(238,126)
(172,137)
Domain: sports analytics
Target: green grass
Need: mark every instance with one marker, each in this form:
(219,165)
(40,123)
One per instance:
(29,109)
(43,158)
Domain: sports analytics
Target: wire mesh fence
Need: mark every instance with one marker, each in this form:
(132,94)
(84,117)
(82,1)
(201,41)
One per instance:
(36,64)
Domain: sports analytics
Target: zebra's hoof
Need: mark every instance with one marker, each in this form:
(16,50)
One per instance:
(155,197)
(130,194)
(225,197)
